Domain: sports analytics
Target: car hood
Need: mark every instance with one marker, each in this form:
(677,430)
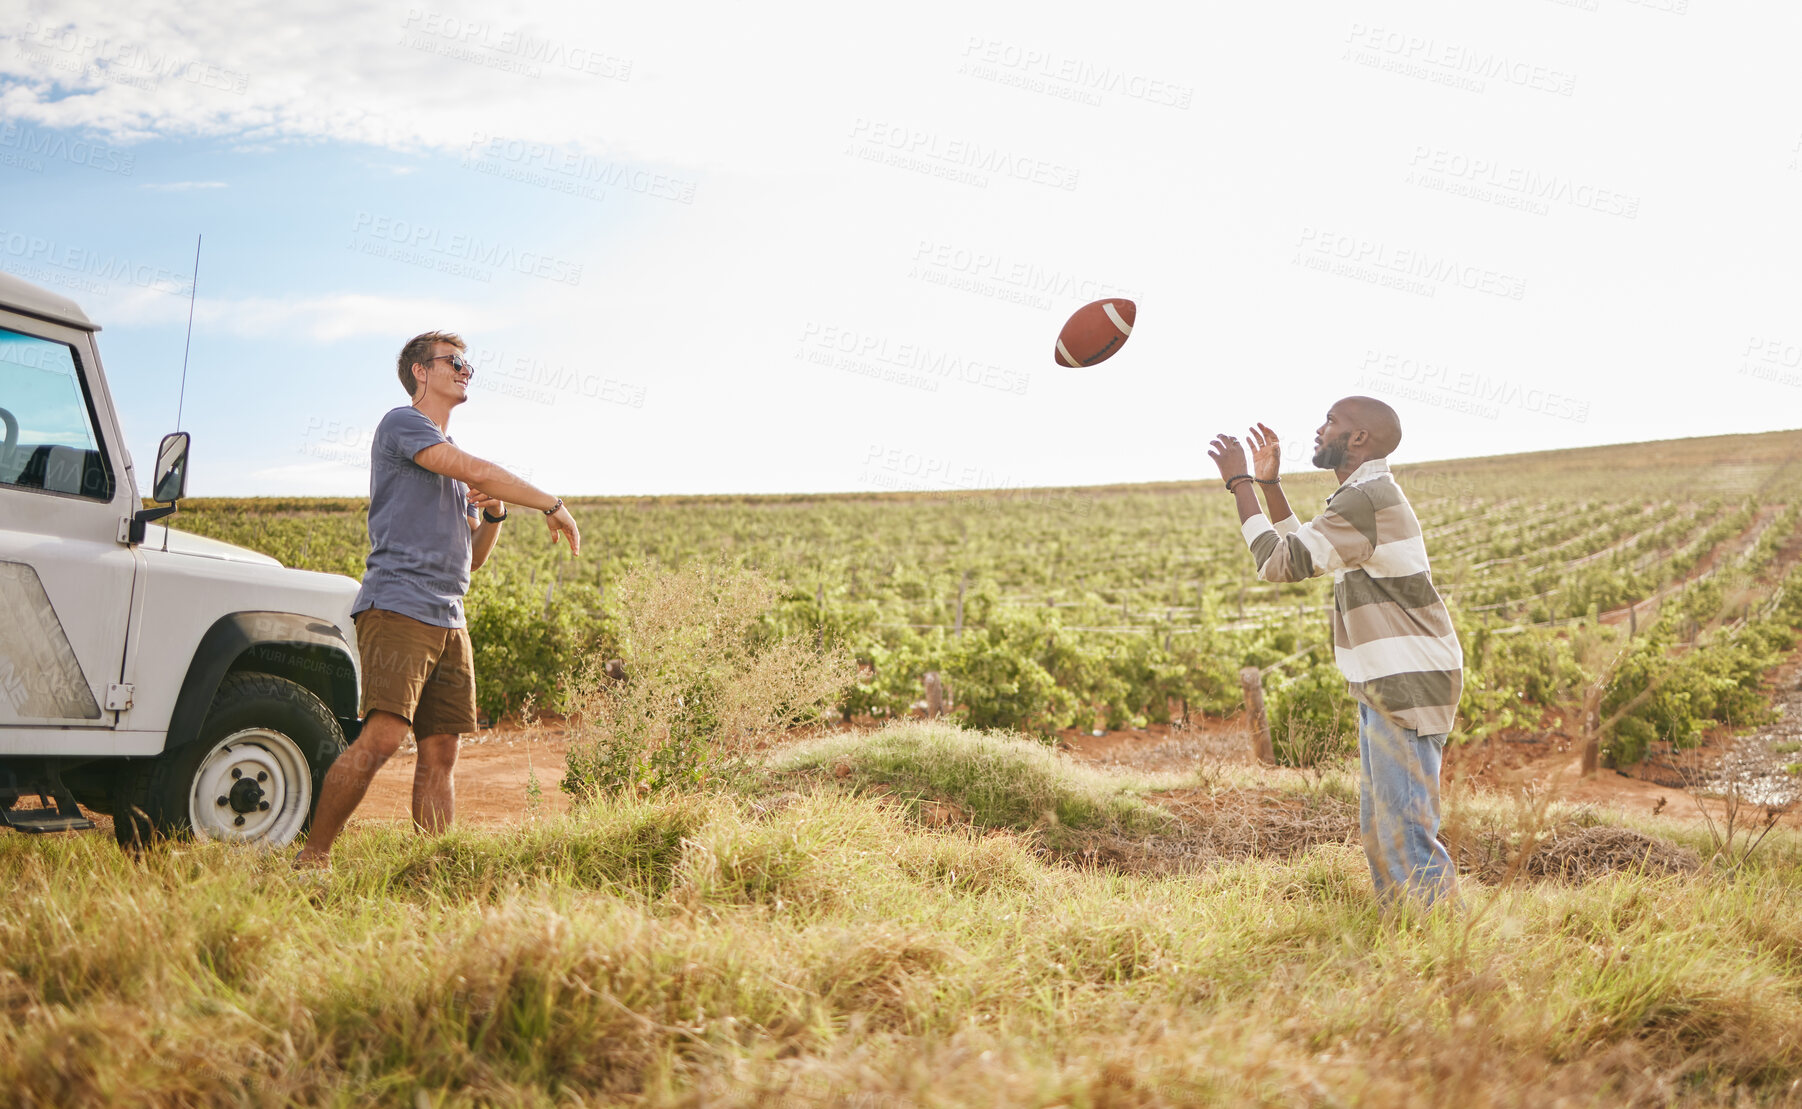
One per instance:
(181,542)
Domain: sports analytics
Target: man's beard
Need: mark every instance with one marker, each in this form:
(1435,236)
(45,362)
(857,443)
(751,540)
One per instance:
(1330,455)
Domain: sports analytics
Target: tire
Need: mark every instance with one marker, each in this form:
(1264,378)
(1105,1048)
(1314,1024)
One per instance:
(252,775)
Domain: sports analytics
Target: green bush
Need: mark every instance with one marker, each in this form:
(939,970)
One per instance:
(893,666)
(704,679)
(999,682)
(1313,717)
(524,645)
(1676,698)
(1663,694)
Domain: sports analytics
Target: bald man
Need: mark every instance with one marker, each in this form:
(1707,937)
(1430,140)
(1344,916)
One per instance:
(1392,635)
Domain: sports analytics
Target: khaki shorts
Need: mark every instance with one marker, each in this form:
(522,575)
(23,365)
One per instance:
(421,673)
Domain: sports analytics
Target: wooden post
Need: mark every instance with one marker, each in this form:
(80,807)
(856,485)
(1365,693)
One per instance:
(935,694)
(1592,731)
(1253,681)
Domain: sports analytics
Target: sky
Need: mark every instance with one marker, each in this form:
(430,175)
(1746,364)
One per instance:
(721,248)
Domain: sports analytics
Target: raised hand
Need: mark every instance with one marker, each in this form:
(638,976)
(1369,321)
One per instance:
(563,524)
(1228,455)
(1266,453)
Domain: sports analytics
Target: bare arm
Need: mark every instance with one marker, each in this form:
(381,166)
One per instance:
(1230,457)
(500,484)
(1266,462)
(1279,504)
(487,532)
(479,473)
(1245,498)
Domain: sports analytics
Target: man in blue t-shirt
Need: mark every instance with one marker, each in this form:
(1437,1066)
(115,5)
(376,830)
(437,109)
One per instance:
(434,514)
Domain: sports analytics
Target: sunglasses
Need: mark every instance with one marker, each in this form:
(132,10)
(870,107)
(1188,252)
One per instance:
(458,365)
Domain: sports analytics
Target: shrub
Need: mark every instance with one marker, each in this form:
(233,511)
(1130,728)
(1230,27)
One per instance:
(525,646)
(896,662)
(1676,698)
(998,679)
(704,679)
(1312,716)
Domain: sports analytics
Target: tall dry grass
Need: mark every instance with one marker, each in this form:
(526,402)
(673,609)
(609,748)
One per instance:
(826,947)
(705,678)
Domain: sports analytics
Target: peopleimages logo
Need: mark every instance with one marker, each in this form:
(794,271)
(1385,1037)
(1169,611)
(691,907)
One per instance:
(1778,361)
(1045,71)
(25,142)
(995,275)
(1412,270)
(568,171)
(522,51)
(1445,170)
(121,62)
(458,250)
(537,379)
(1422,55)
(85,269)
(1418,379)
(911,364)
(968,161)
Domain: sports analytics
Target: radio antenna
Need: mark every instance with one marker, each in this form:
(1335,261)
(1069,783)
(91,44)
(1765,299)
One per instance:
(193,287)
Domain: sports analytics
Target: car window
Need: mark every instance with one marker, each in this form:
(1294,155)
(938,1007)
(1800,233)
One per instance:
(47,438)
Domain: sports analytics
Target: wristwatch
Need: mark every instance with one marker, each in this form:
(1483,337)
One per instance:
(491,518)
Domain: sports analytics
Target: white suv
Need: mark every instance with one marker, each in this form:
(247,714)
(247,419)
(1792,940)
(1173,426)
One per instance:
(179,683)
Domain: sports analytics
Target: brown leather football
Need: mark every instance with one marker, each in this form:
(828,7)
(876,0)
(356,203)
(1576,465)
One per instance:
(1095,332)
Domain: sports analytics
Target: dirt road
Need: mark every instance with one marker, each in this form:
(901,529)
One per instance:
(495,770)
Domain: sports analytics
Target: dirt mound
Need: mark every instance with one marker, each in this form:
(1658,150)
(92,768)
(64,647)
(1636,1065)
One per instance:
(1233,825)
(1574,853)
(1218,826)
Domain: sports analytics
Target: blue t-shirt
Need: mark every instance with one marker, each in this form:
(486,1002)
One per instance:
(419,540)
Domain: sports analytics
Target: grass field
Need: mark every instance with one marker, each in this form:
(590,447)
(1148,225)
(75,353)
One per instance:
(929,914)
(812,939)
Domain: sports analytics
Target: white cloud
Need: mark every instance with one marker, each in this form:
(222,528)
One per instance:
(323,318)
(182,186)
(723,87)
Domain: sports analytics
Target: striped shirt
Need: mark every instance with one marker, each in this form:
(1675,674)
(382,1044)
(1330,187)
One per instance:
(1392,635)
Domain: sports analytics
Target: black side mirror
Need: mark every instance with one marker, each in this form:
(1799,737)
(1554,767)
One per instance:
(171,482)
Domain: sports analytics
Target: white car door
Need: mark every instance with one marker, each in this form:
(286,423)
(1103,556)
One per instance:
(65,579)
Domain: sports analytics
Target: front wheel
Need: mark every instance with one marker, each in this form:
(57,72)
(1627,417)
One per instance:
(253,774)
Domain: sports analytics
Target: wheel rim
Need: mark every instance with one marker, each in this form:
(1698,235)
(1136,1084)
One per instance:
(254,786)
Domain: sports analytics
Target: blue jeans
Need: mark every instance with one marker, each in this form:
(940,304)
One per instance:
(1398,810)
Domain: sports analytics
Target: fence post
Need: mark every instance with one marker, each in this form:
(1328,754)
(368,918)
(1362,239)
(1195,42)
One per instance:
(1592,737)
(935,694)
(1253,681)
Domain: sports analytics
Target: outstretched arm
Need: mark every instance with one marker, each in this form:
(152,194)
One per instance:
(501,484)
